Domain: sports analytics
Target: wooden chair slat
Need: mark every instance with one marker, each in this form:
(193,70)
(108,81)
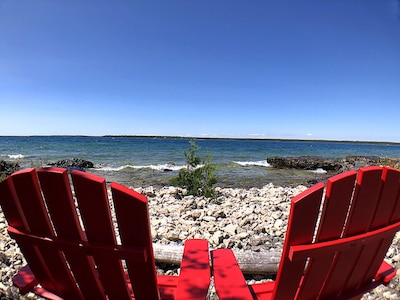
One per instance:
(366,197)
(14,214)
(194,276)
(388,199)
(30,199)
(10,205)
(60,204)
(302,223)
(91,194)
(58,196)
(228,278)
(338,195)
(396,211)
(339,192)
(132,214)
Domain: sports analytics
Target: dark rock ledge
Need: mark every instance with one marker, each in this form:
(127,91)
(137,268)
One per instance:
(73,164)
(332,165)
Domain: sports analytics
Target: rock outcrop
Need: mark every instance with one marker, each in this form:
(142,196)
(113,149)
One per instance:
(305,163)
(73,164)
(332,165)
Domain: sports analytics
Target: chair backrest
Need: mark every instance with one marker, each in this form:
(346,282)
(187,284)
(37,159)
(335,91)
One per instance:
(337,238)
(70,241)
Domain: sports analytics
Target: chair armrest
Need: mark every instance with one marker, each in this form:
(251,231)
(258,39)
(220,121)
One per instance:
(194,277)
(24,280)
(385,273)
(228,278)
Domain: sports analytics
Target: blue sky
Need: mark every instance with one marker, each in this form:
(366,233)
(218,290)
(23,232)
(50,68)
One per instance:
(260,68)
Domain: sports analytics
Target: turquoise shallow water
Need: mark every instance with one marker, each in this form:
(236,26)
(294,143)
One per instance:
(154,160)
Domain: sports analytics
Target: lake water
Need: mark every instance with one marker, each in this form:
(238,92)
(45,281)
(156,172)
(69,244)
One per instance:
(142,161)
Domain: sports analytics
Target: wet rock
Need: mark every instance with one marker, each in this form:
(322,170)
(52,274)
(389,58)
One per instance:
(7,168)
(73,164)
(304,163)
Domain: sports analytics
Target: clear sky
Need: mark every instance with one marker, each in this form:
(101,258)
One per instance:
(218,68)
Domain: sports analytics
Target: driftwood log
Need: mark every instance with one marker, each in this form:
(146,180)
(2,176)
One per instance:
(249,262)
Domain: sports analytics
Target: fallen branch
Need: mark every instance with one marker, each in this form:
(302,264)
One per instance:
(250,262)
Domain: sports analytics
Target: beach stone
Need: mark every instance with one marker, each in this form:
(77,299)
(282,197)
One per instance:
(173,235)
(216,238)
(278,224)
(149,191)
(209,218)
(230,229)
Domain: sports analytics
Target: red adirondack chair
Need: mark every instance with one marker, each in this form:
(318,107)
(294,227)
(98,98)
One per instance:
(335,242)
(72,248)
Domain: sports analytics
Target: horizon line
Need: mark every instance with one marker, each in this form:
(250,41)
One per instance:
(204,137)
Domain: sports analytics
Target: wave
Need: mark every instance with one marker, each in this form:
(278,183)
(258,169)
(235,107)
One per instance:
(159,167)
(319,171)
(15,156)
(171,167)
(260,163)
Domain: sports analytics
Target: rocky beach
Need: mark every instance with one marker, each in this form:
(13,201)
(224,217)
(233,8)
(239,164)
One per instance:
(245,220)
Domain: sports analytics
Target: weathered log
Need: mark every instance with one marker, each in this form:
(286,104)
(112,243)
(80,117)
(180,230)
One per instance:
(250,262)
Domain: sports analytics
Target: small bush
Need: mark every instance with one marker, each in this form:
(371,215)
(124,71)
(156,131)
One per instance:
(7,169)
(198,177)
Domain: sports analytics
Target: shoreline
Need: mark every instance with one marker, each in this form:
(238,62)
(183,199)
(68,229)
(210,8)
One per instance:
(253,219)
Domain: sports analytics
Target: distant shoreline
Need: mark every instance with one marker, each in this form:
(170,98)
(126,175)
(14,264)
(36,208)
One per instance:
(209,138)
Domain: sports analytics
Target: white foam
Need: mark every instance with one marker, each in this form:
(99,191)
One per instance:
(160,167)
(260,163)
(319,171)
(16,156)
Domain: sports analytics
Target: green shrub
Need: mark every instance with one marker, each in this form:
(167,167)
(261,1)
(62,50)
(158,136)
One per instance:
(198,177)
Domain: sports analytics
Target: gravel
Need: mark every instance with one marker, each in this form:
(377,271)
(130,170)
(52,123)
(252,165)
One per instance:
(242,219)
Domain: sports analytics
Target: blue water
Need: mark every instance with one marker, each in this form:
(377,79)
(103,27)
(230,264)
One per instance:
(144,160)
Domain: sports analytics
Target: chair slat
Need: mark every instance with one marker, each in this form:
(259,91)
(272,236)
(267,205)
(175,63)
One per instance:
(363,207)
(396,211)
(30,198)
(33,207)
(15,217)
(369,195)
(228,278)
(91,194)
(387,203)
(58,196)
(194,277)
(132,213)
(302,221)
(339,191)
(10,205)
(365,200)
(388,198)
